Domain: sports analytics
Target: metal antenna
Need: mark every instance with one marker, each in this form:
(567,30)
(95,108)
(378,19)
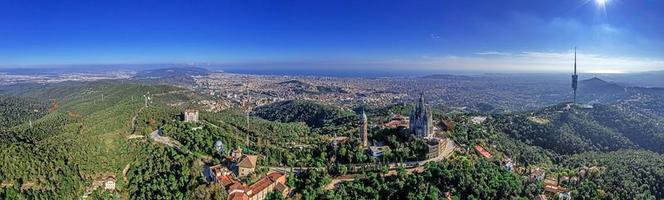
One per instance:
(575,77)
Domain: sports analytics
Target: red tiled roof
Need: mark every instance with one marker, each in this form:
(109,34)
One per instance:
(264,182)
(238,196)
(393,123)
(482,151)
(237,186)
(274,176)
(248,161)
(226,180)
(554,189)
(243,192)
(540,197)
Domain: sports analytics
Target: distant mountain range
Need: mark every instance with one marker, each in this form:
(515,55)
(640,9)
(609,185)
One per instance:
(648,101)
(642,79)
(600,91)
(447,76)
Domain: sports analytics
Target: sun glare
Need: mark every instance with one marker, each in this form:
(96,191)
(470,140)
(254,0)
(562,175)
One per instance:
(601,3)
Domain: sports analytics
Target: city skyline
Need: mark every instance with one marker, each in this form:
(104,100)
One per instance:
(520,36)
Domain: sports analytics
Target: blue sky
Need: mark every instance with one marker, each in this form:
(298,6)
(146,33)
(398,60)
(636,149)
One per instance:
(460,35)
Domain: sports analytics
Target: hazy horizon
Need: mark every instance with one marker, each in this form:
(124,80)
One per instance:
(612,36)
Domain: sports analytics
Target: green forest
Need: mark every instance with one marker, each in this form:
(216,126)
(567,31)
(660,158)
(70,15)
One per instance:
(57,139)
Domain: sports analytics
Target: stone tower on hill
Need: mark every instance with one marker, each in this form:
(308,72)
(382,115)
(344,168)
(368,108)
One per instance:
(364,135)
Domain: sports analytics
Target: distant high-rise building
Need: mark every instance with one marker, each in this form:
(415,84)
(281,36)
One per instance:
(364,135)
(421,123)
(575,77)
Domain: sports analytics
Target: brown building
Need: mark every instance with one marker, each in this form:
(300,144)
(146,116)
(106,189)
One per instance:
(222,175)
(273,182)
(246,165)
(483,152)
(397,121)
(435,147)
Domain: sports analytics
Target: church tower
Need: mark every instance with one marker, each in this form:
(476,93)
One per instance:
(364,135)
(421,123)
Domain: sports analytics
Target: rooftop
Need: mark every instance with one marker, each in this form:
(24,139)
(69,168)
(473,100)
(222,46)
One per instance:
(240,192)
(248,161)
(483,152)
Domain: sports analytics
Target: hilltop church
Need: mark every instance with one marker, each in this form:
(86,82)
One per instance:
(421,123)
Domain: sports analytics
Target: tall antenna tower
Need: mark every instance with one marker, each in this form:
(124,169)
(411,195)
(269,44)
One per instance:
(246,105)
(575,77)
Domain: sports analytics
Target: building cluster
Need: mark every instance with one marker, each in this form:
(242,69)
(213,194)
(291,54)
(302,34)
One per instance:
(552,186)
(397,121)
(420,125)
(265,89)
(106,182)
(238,165)
(271,182)
(241,164)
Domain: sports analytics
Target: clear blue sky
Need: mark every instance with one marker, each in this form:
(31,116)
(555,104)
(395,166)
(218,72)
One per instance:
(491,35)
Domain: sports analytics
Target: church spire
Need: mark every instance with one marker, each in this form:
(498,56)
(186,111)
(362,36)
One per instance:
(421,103)
(421,124)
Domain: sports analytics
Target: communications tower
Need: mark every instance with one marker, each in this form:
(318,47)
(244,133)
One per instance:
(575,77)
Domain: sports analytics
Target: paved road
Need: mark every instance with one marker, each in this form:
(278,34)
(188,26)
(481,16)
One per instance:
(164,140)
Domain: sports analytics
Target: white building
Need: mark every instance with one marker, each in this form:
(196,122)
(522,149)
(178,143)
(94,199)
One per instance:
(190,115)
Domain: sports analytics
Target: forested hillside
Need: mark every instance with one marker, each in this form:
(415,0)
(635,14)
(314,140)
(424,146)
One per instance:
(647,101)
(323,118)
(608,147)
(82,138)
(16,110)
(464,179)
(569,129)
(83,131)
(624,174)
